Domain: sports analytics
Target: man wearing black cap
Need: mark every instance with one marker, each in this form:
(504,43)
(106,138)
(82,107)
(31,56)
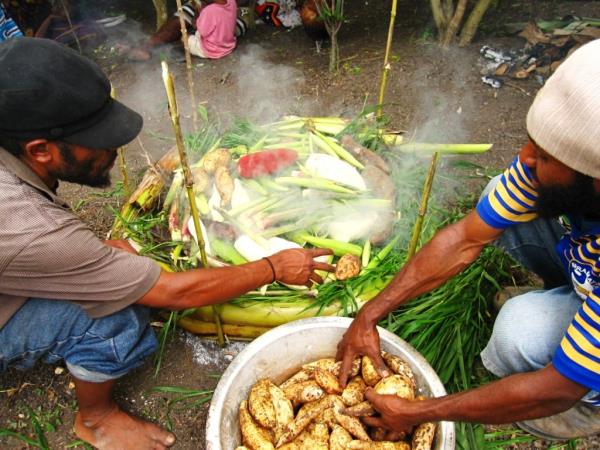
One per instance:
(65,294)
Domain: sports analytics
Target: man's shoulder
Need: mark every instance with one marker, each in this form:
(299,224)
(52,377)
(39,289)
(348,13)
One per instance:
(23,207)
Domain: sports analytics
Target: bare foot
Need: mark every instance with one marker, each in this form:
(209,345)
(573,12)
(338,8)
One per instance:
(117,430)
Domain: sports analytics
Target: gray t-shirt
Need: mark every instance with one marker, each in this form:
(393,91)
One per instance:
(47,252)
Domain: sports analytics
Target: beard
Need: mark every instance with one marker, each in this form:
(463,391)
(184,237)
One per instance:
(85,173)
(578,199)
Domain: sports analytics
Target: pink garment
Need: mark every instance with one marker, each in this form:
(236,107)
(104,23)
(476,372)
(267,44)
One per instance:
(216,29)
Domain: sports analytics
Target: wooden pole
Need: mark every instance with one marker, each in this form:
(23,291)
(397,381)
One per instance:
(73,30)
(188,64)
(189,181)
(386,60)
(418,226)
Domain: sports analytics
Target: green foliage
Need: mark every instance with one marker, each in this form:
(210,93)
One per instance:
(40,422)
(242,132)
(176,398)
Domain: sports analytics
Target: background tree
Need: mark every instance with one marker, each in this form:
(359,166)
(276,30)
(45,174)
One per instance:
(332,14)
(448,16)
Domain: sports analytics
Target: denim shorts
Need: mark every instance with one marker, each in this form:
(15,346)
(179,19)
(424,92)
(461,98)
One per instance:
(95,350)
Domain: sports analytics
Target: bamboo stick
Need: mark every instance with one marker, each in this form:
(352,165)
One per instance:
(423,207)
(122,161)
(73,30)
(189,180)
(386,61)
(188,65)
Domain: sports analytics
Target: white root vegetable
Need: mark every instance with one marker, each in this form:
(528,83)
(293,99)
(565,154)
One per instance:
(253,251)
(334,169)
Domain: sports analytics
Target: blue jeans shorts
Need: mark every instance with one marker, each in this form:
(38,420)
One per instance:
(95,350)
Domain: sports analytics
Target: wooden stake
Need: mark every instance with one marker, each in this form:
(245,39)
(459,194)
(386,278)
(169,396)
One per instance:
(188,64)
(189,181)
(386,61)
(416,233)
(73,30)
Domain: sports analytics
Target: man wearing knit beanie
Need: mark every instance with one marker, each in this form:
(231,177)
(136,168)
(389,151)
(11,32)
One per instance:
(544,210)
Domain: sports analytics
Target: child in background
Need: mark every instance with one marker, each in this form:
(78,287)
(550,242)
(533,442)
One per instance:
(215,30)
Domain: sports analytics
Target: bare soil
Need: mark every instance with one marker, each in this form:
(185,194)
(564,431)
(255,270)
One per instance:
(433,94)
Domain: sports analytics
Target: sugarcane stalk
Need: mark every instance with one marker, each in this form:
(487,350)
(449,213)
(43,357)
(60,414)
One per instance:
(188,64)
(321,184)
(339,151)
(386,60)
(188,180)
(416,147)
(122,161)
(416,233)
(339,248)
(147,193)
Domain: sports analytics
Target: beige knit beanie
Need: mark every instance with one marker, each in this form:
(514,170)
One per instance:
(564,118)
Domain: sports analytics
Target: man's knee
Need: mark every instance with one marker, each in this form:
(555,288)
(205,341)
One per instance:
(112,346)
(525,336)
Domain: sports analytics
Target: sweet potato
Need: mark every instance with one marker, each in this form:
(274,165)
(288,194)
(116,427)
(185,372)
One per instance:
(395,385)
(260,404)
(328,381)
(369,373)
(253,435)
(354,392)
(339,438)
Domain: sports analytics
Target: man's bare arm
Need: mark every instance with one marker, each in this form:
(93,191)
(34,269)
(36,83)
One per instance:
(202,287)
(522,396)
(449,252)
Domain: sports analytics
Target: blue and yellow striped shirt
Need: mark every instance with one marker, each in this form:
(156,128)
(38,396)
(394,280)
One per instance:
(511,202)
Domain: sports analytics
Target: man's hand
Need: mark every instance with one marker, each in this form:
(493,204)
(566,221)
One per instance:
(121,244)
(361,339)
(298,266)
(396,413)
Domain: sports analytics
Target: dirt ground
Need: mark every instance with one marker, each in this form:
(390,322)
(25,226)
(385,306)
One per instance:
(433,94)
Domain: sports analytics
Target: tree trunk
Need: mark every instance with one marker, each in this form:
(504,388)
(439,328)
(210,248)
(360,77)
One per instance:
(334,55)
(438,16)
(161,12)
(454,24)
(470,27)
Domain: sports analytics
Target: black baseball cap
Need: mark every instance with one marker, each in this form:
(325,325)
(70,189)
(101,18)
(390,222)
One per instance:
(50,91)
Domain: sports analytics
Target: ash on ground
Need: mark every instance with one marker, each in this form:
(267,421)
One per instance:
(207,352)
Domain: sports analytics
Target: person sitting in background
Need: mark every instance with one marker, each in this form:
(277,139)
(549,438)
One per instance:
(171,31)
(65,24)
(215,30)
(8,28)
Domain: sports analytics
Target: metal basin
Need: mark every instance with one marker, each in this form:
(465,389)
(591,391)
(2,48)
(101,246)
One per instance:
(279,353)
